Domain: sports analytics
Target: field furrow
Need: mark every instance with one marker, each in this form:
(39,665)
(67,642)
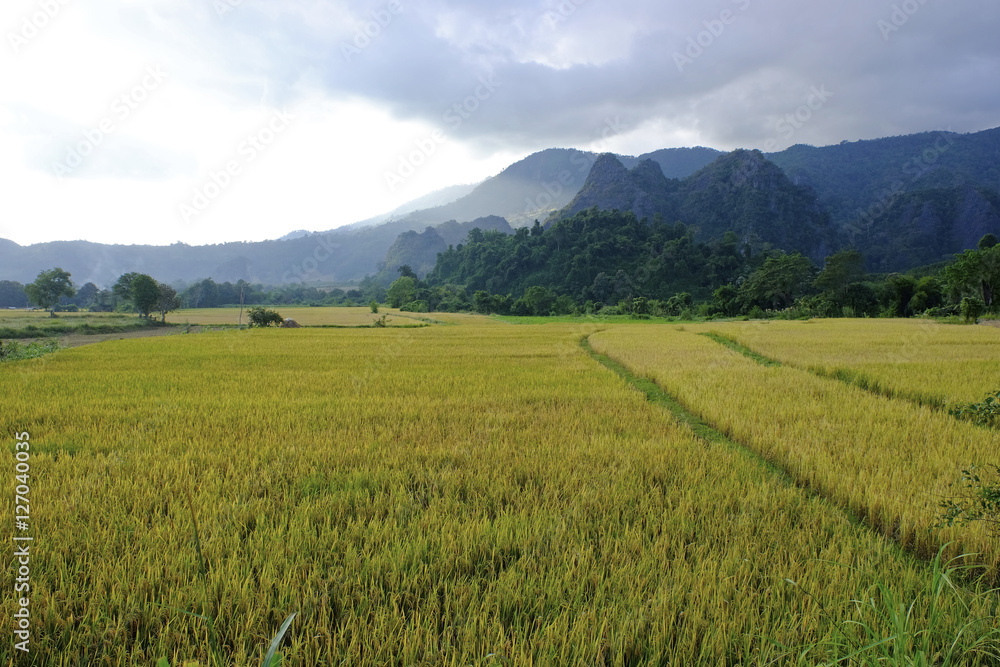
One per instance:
(887,461)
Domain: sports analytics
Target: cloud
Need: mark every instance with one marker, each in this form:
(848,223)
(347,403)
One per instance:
(375,77)
(566,66)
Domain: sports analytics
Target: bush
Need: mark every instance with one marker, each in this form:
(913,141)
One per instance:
(985,413)
(14,351)
(415,307)
(979,499)
(262,317)
(944,311)
(972,308)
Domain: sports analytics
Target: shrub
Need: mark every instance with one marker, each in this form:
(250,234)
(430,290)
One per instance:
(415,307)
(985,413)
(262,317)
(972,309)
(14,351)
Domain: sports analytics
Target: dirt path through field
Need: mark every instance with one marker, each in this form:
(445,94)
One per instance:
(76,340)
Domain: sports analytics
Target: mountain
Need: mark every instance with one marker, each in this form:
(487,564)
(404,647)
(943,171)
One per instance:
(436,198)
(419,250)
(746,193)
(679,162)
(601,256)
(524,191)
(545,182)
(926,226)
(297,234)
(853,180)
(643,190)
(741,192)
(873,191)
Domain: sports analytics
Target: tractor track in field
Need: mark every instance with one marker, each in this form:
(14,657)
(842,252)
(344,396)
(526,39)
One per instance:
(705,431)
(700,428)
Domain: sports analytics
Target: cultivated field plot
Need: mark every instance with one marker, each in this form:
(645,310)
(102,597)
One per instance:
(329,316)
(19,319)
(476,494)
(939,364)
(888,460)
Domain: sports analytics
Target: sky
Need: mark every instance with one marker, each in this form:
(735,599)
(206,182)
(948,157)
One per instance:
(206,121)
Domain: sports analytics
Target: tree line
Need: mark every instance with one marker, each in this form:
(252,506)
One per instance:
(613,263)
(202,294)
(595,262)
(53,290)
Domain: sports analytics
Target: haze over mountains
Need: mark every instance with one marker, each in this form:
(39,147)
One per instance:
(903,201)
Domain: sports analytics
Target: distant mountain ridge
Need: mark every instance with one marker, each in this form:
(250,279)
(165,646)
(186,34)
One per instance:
(535,187)
(741,192)
(852,178)
(419,250)
(901,200)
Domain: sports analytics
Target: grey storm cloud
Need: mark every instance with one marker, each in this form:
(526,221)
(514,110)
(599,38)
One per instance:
(534,74)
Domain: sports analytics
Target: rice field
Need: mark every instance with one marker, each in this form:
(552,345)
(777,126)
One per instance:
(889,461)
(476,493)
(923,360)
(304,315)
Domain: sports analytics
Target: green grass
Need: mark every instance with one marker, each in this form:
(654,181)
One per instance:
(950,634)
(590,319)
(18,325)
(745,351)
(14,351)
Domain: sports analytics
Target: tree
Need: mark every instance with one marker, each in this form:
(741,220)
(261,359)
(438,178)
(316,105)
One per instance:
(405,271)
(678,303)
(104,302)
(778,282)
(12,295)
(48,287)
(987,242)
(975,273)
(840,270)
(861,298)
(87,295)
(401,291)
(927,294)
(145,293)
(539,300)
(123,288)
(901,290)
(262,317)
(483,302)
(972,309)
(725,301)
(167,301)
